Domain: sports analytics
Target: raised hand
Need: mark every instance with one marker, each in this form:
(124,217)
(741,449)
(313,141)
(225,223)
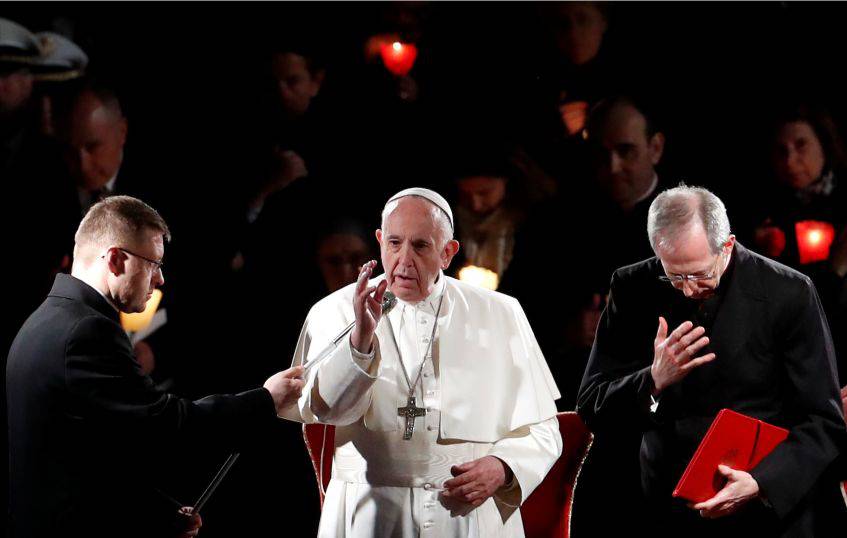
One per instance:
(674,356)
(367,306)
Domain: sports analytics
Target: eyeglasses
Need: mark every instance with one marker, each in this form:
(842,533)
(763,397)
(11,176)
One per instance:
(158,264)
(675,279)
(696,277)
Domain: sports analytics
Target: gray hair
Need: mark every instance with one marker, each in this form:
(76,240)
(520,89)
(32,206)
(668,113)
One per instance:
(438,215)
(674,211)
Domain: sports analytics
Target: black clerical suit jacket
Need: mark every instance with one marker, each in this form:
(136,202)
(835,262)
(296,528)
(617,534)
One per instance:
(774,361)
(87,428)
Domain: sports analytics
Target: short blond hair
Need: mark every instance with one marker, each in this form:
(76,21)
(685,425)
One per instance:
(117,220)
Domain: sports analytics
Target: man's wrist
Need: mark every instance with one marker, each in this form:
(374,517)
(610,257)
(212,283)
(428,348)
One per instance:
(508,475)
(654,389)
(357,346)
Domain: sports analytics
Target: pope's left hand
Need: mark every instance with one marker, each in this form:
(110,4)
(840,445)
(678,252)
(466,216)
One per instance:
(476,481)
(740,489)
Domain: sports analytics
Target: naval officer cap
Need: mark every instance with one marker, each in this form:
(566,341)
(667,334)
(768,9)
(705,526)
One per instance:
(61,58)
(19,48)
(430,195)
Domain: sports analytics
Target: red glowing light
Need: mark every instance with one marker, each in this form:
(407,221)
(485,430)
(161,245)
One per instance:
(399,58)
(813,240)
(574,114)
(770,240)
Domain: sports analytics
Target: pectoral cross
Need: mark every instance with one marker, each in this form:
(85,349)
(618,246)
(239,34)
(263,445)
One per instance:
(411,412)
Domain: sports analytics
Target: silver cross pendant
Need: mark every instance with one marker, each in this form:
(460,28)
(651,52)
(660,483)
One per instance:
(411,412)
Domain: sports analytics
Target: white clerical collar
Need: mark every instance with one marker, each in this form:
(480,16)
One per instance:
(431,301)
(649,191)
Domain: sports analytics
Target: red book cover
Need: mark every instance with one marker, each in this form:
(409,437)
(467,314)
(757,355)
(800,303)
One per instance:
(733,439)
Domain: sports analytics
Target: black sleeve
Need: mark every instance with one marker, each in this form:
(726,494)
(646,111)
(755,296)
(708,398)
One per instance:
(617,383)
(106,387)
(788,473)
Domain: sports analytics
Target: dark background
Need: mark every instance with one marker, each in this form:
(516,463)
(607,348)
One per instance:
(191,79)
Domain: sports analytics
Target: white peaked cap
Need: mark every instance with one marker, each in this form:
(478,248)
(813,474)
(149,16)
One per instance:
(430,195)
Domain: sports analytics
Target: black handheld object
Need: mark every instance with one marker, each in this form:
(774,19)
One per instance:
(213,485)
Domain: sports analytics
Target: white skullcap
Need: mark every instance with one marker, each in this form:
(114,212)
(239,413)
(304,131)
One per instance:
(430,195)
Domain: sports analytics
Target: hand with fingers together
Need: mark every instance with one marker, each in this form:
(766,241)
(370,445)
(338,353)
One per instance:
(367,306)
(740,489)
(475,481)
(675,356)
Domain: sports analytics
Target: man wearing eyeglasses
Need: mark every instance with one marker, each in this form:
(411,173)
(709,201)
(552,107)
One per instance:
(87,427)
(704,325)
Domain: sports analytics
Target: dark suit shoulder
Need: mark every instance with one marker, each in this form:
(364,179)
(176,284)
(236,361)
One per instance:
(99,332)
(636,273)
(771,279)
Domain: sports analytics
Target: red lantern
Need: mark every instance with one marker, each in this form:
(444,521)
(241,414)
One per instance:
(574,114)
(399,58)
(770,239)
(813,240)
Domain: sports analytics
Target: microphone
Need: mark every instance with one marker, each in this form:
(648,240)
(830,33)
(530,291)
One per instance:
(389,301)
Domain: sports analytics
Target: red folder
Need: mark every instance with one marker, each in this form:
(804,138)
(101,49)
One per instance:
(733,439)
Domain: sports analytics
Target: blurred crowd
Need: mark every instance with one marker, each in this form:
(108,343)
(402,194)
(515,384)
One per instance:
(550,156)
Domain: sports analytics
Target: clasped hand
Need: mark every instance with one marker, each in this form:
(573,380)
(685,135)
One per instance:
(475,481)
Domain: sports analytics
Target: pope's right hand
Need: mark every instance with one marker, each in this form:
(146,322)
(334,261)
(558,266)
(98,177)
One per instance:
(285,387)
(674,355)
(367,308)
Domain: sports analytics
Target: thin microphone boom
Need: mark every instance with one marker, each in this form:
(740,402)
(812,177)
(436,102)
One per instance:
(389,300)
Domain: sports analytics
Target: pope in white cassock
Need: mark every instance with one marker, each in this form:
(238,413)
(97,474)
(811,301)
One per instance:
(444,406)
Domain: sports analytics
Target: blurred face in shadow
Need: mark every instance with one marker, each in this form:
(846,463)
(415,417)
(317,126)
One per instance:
(15,90)
(94,135)
(340,257)
(413,248)
(482,195)
(798,156)
(296,84)
(579,31)
(624,155)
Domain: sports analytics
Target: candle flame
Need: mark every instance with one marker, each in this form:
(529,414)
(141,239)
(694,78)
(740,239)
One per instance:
(140,320)
(479,276)
(397,46)
(815,237)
